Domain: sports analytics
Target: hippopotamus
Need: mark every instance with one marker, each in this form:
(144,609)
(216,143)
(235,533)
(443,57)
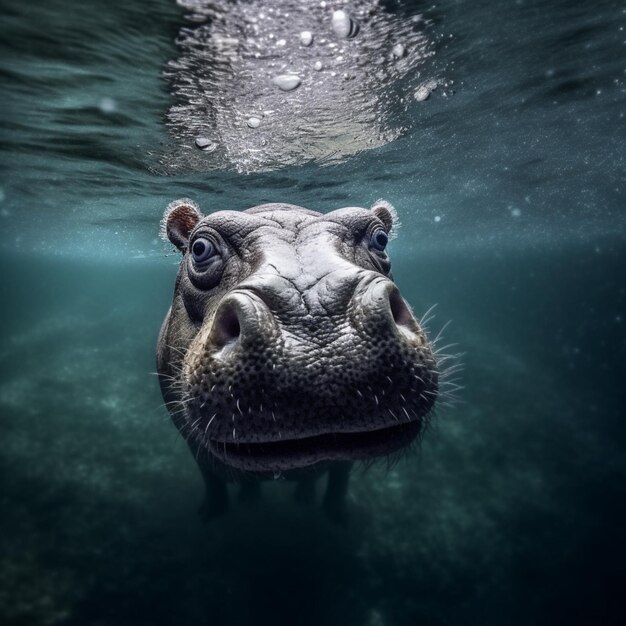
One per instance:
(288,350)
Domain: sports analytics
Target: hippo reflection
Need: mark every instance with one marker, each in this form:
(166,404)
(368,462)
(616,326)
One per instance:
(288,348)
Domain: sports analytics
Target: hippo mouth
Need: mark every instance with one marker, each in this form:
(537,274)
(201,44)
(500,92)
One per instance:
(288,454)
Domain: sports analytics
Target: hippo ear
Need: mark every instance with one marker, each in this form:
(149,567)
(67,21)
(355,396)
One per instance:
(385,212)
(179,219)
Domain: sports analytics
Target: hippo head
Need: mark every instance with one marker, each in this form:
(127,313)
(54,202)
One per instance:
(287,343)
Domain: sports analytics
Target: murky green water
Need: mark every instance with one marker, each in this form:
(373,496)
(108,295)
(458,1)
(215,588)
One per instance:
(511,195)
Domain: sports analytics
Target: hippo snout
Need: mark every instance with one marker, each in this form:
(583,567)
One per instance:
(244,319)
(297,346)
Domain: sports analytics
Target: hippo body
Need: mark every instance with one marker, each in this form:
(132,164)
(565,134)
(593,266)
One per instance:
(288,350)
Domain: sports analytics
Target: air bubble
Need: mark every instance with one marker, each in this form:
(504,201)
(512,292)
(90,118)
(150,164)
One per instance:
(107,105)
(398,50)
(205,144)
(424,90)
(287,82)
(343,25)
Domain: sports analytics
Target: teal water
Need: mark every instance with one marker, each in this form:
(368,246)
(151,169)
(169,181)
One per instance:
(510,188)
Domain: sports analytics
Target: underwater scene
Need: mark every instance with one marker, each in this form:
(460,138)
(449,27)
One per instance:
(496,132)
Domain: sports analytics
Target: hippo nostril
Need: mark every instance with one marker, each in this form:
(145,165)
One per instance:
(226,326)
(400,312)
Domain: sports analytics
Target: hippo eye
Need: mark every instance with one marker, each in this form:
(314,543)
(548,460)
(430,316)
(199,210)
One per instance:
(379,239)
(202,250)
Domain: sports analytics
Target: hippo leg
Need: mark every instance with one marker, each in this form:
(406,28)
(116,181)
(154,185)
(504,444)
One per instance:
(216,494)
(334,503)
(250,491)
(305,490)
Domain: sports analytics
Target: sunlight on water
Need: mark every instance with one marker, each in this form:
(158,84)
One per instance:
(338,93)
(527,151)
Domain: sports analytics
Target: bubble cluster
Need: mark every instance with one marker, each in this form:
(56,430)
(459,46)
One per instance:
(425,89)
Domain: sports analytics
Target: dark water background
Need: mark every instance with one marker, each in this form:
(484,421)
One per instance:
(513,509)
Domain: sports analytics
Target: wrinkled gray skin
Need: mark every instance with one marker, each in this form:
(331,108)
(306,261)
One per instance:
(289,349)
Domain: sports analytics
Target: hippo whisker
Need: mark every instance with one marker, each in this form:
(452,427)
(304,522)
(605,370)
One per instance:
(441,360)
(452,386)
(447,402)
(164,376)
(171,378)
(394,415)
(174,406)
(171,403)
(177,350)
(449,365)
(194,424)
(447,382)
(454,369)
(199,448)
(186,430)
(185,401)
(441,350)
(439,335)
(427,317)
